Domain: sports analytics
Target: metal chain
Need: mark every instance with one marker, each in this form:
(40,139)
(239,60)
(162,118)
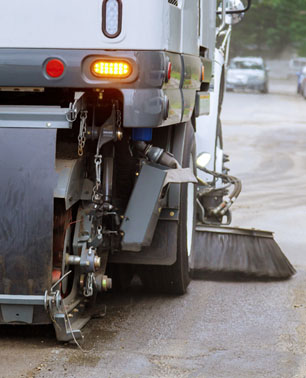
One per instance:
(99,232)
(118,119)
(88,289)
(96,196)
(98,165)
(82,132)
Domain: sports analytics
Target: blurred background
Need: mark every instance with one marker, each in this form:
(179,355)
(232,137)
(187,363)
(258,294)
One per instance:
(272,29)
(276,31)
(264,121)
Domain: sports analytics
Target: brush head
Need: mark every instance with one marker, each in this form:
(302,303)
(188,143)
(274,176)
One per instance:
(251,253)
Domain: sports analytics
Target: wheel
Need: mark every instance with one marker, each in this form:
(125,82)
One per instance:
(303,90)
(264,88)
(122,275)
(174,279)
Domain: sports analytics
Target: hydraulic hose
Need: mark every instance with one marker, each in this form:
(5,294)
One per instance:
(226,203)
(157,154)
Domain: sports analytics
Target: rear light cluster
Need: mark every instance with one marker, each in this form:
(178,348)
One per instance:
(111,69)
(103,68)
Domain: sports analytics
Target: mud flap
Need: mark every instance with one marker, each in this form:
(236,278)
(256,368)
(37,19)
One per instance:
(27,182)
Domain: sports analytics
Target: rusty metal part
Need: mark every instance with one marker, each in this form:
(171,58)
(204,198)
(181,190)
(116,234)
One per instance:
(62,221)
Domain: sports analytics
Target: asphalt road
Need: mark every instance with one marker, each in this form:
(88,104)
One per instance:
(219,329)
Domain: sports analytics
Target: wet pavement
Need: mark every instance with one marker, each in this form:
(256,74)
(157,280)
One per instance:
(219,329)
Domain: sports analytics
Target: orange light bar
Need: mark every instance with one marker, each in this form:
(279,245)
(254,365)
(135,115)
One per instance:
(111,69)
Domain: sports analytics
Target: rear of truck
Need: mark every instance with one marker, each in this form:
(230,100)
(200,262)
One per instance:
(97,108)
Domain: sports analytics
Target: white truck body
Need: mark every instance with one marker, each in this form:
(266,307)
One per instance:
(76,24)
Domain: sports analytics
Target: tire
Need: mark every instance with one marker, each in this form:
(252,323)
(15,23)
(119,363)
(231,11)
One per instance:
(174,279)
(264,88)
(122,275)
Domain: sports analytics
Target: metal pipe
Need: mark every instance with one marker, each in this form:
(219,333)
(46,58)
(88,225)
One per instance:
(157,155)
(221,27)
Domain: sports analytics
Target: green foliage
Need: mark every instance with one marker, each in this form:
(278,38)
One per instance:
(270,27)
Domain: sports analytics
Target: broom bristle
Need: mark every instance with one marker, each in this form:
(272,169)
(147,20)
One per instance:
(247,253)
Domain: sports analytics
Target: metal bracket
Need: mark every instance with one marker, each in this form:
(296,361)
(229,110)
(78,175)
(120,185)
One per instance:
(19,308)
(67,320)
(41,117)
(75,107)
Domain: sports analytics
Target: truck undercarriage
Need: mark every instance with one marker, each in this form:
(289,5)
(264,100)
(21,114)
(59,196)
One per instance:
(102,188)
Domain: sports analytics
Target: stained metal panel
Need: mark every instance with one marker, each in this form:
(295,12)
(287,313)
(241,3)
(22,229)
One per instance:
(70,180)
(27,182)
(142,212)
(34,116)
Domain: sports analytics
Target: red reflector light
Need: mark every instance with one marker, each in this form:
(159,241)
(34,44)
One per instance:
(55,68)
(169,69)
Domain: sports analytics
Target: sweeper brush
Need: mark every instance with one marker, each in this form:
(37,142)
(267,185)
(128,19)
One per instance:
(220,249)
(246,252)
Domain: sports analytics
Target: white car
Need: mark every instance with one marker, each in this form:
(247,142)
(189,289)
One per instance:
(247,73)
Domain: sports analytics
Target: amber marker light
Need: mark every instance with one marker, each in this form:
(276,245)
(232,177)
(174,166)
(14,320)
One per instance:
(203,73)
(111,69)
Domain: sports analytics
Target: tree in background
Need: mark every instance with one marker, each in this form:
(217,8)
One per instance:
(270,27)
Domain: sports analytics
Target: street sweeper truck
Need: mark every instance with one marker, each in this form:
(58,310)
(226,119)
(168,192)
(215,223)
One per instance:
(100,103)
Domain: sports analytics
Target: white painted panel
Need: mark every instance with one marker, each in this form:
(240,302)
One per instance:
(42,23)
(207,125)
(77,24)
(173,29)
(190,30)
(208,25)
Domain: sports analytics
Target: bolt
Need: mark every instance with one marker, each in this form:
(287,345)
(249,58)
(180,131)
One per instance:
(48,124)
(97,262)
(119,134)
(106,283)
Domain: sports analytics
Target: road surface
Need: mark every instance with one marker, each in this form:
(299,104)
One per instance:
(219,329)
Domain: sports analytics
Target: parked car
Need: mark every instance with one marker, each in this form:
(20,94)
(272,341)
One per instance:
(301,81)
(247,73)
(296,65)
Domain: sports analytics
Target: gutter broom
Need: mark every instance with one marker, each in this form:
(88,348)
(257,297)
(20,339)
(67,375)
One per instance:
(218,248)
(251,253)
